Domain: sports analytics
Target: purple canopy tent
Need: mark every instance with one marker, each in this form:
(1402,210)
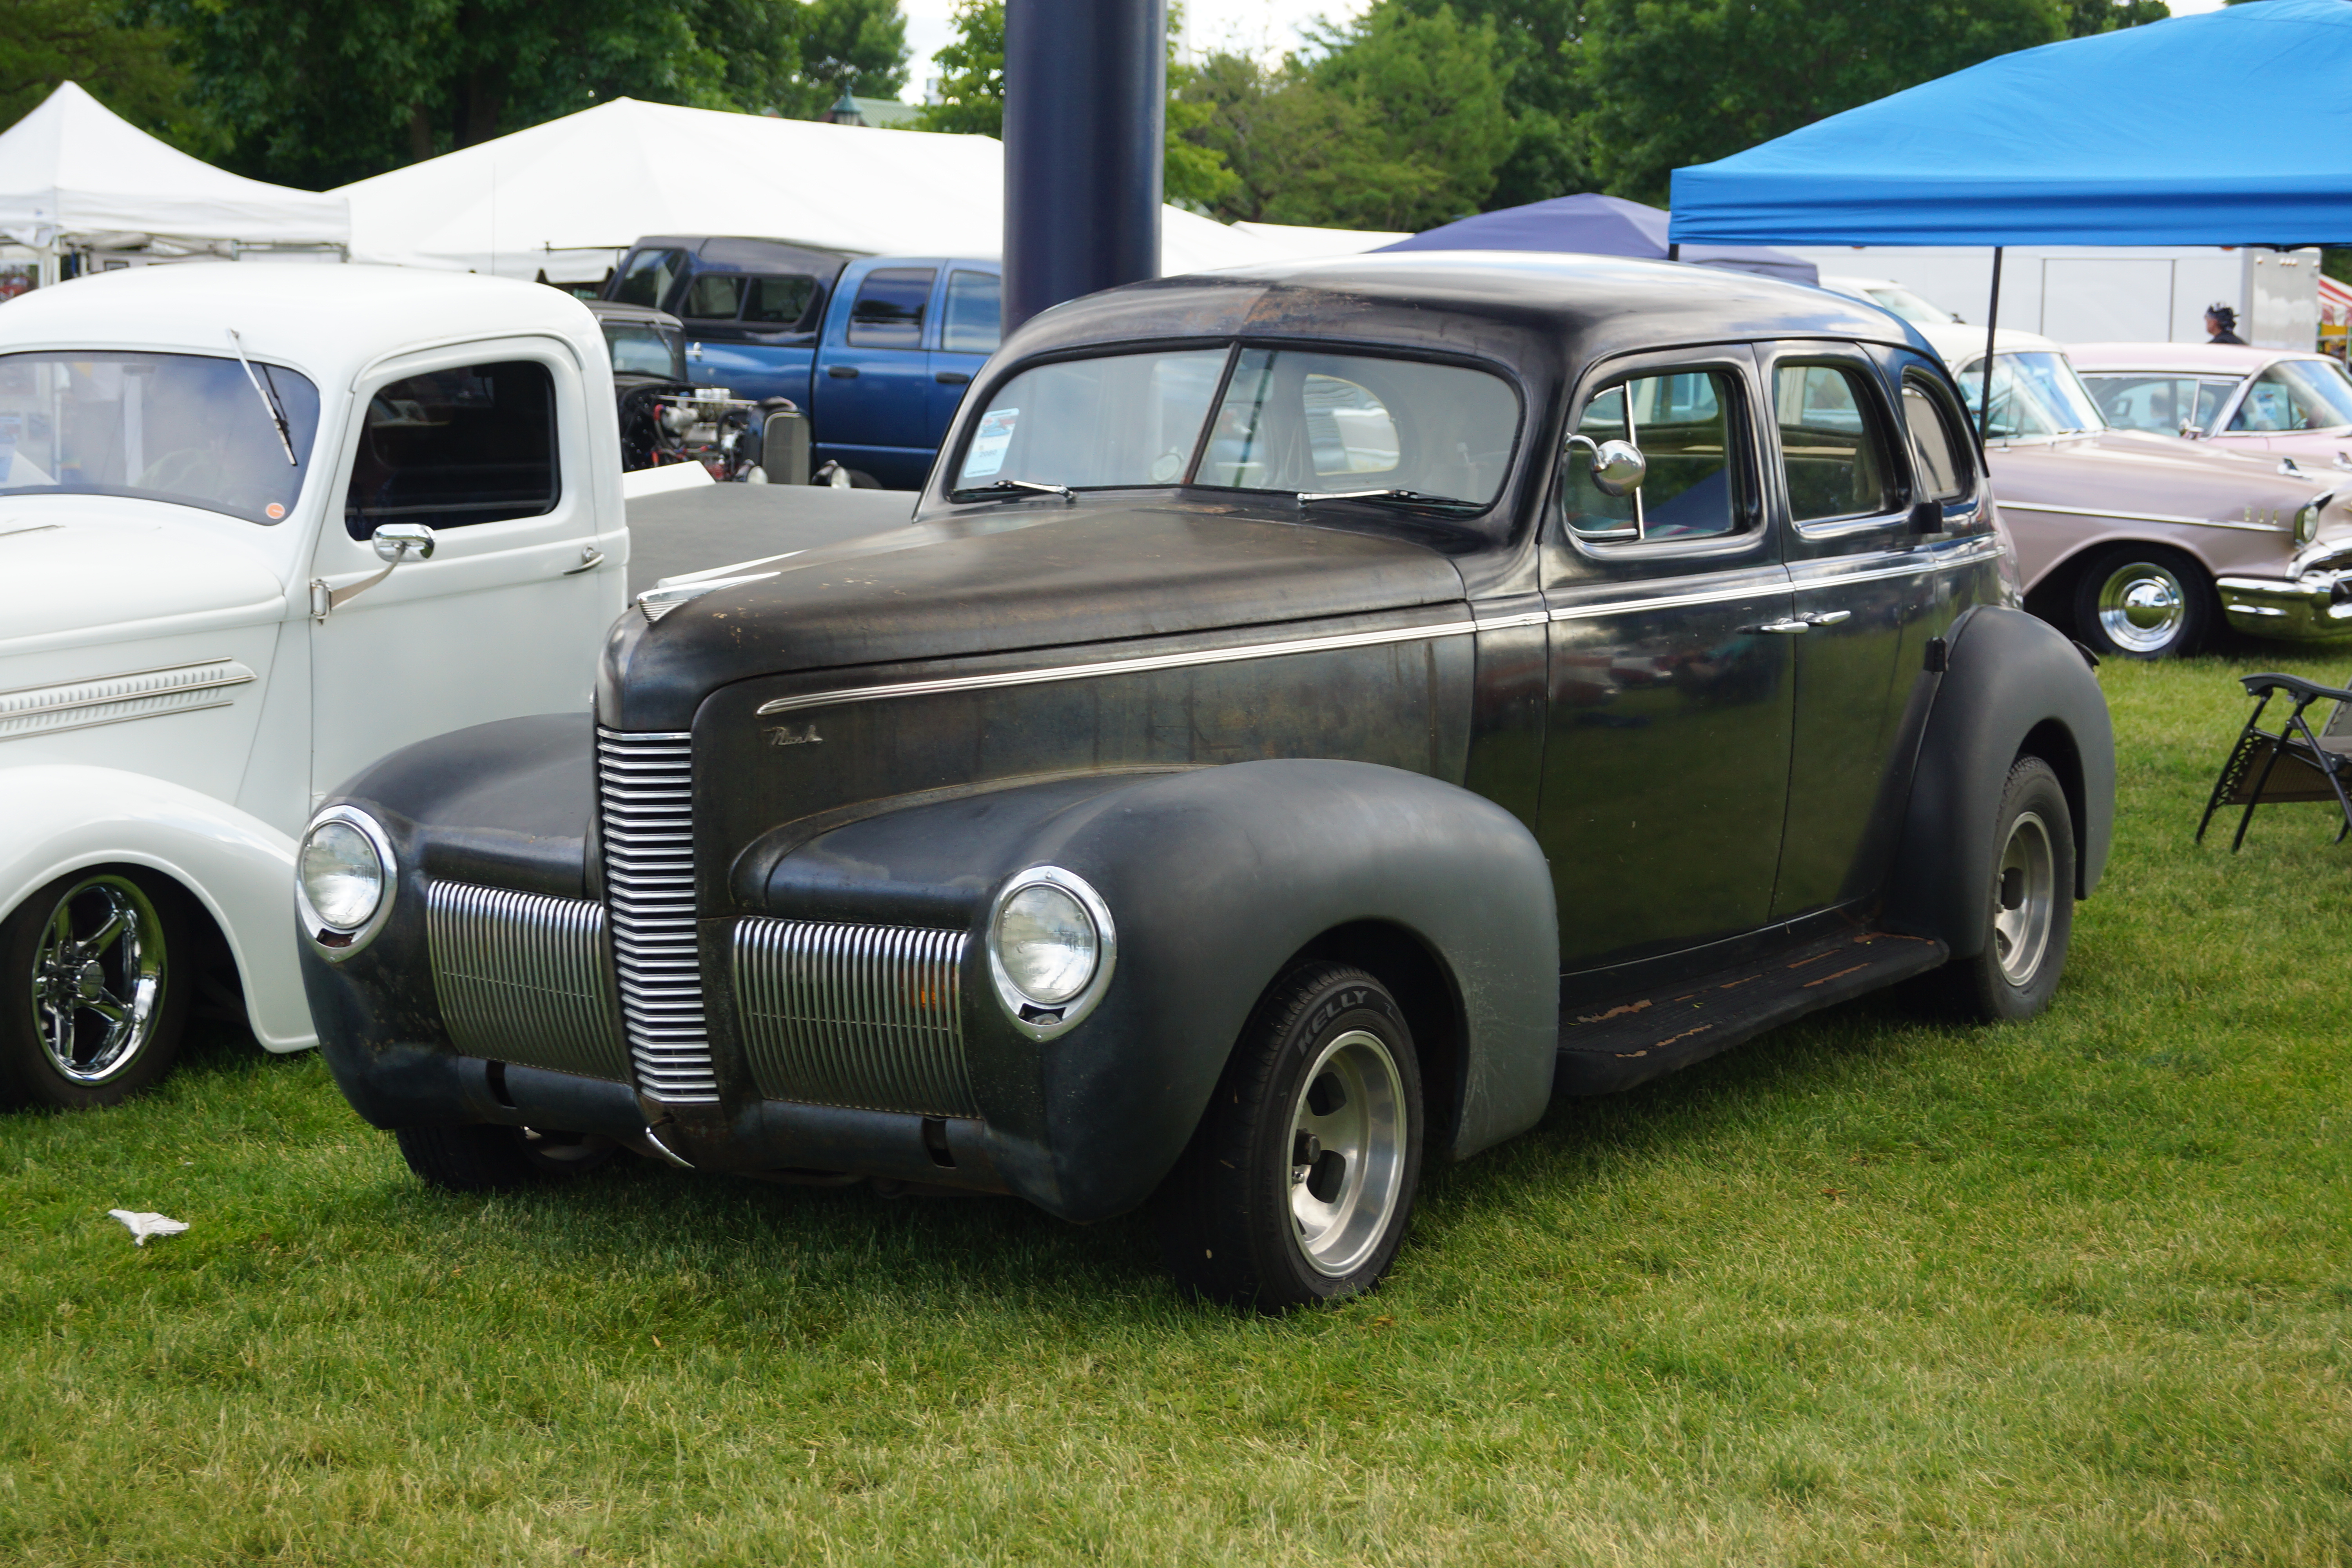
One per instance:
(1599,226)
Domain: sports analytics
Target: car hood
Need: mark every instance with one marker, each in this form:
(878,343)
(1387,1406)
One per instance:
(1030,576)
(71,570)
(2117,472)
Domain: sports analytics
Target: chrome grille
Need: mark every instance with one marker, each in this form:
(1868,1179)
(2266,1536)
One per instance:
(644,787)
(858,1015)
(520,978)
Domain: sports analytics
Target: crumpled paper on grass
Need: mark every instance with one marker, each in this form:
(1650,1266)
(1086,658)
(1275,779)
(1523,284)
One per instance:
(143,1226)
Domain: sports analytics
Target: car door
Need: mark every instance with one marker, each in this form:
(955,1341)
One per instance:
(972,321)
(1862,576)
(873,399)
(507,615)
(1666,750)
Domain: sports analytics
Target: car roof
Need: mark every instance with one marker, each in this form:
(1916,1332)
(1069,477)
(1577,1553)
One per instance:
(1516,306)
(2210,359)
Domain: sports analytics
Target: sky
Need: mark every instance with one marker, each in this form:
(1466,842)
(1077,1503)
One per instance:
(1266,28)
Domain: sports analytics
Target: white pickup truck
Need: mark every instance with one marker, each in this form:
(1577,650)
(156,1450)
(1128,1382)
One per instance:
(259,526)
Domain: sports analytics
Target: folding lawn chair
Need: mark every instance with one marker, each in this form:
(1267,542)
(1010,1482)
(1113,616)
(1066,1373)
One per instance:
(2293,763)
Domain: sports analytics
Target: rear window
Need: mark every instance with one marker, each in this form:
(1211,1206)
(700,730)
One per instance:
(889,308)
(453,447)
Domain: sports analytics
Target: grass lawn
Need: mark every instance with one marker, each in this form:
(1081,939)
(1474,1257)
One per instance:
(1865,1291)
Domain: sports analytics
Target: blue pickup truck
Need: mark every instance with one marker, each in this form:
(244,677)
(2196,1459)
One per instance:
(876,350)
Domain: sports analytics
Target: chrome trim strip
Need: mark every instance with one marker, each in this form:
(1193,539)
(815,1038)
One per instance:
(643,781)
(1963,555)
(520,978)
(866,1017)
(1116,666)
(2142,517)
(1671,601)
(117,699)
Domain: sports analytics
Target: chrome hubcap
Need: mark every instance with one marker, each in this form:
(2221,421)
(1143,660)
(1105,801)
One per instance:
(97,974)
(1347,1153)
(2023,899)
(2141,607)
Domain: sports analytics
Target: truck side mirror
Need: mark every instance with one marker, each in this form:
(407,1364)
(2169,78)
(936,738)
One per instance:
(393,543)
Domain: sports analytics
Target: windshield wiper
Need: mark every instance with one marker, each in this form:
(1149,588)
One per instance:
(268,400)
(1402,498)
(1014,487)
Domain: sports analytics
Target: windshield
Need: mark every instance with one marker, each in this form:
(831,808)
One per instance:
(2296,394)
(187,428)
(640,348)
(2033,395)
(1290,421)
(2141,400)
(1907,305)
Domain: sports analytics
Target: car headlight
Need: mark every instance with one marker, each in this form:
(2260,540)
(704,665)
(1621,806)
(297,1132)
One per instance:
(344,878)
(1050,949)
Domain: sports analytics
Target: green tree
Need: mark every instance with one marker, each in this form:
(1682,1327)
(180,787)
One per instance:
(124,66)
(971,93)
(1540,92)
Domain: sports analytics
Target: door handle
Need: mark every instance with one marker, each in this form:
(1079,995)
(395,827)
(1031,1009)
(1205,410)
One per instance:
(1783,627)
(1828,617)
(951,378)
(842,372)
(590,559)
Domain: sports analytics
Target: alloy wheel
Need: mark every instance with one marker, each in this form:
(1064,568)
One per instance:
(97,978)
(1346,1151)
(2023,899)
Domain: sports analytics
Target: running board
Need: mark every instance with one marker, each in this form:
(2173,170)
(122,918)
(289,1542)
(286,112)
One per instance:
(1612,1046)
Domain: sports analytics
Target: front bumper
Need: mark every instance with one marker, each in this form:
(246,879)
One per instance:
(2316,606)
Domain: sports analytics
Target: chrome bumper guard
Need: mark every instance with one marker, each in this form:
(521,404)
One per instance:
(2317,605)
(520,978)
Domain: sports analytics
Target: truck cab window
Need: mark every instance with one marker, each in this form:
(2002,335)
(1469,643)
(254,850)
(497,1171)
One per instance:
(453,447)
(714,296)
(777,302)
(650,278)
(1831,455)
(890,308)
(975,313)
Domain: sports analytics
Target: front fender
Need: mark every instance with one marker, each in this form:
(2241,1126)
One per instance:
(2010,679)
(59,817)
(1215,879)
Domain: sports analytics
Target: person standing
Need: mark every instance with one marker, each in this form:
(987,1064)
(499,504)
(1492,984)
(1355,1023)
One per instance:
(2221,322)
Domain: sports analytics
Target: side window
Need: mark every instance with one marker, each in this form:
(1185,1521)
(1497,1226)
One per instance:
(888,310)
(1682,421)
(714,296)
(453,448)
(777,302)
(1938,453)
(1832,453)
(650,276)
(975,313)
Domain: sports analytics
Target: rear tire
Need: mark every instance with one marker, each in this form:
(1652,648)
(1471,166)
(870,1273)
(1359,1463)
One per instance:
(95,986)
(483,1158)
(2144,601)
(1298,1183)
(2030,916)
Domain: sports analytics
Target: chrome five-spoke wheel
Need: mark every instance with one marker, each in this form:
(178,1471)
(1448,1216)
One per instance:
(1347,1153)
(97,978)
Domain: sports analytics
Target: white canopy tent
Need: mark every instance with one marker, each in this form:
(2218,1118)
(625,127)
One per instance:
(75,175)
(566,197)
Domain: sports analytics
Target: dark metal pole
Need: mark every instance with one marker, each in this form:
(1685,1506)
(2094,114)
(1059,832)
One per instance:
(1086,111)
(1993,326)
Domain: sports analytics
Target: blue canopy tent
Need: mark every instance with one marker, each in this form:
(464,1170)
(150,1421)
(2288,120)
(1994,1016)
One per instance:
(1599,226)
(2230,128)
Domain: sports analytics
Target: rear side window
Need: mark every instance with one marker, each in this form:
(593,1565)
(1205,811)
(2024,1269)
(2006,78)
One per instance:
(650,276)
(975,313)
(1938,453)
(1682,421)
(777,302)
(890,308)
(714,296)
(453,448)
(1832,453)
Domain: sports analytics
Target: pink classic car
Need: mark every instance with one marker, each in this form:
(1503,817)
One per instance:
(2260,400)
(2140,544)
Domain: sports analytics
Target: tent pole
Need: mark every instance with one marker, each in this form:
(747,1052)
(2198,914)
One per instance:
(1993,326)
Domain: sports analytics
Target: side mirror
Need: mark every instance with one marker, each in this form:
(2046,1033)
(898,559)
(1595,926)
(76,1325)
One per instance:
(1618,467)
(394,541)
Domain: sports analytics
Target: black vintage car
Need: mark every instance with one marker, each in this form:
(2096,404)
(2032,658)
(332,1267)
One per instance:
(1316,715)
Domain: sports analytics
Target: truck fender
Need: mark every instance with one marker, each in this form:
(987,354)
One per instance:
(61,818)
(1216,878)
(2011,684)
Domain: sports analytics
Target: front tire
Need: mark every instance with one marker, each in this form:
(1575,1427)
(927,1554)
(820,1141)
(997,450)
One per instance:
(2140,601)
(93,1003)
(1299,1180)
(2030,918)
(486,1159)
